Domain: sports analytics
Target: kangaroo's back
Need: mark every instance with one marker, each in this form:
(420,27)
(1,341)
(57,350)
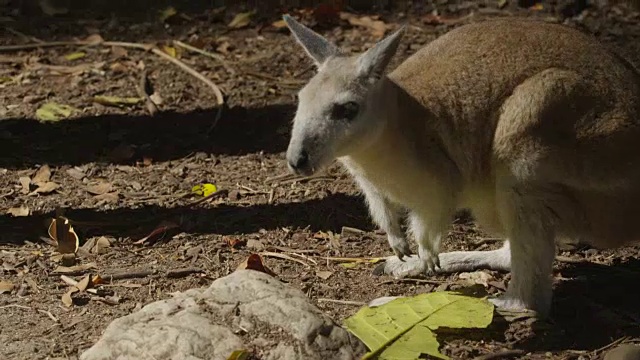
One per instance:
(464,77)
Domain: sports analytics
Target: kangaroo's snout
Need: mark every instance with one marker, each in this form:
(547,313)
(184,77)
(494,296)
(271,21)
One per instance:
(299,161)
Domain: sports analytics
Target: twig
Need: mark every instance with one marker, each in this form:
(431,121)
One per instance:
(278,177)
(311,178)
(144,89)
(217,57)
(273,78)
(128,275)
(501,354)
(15,306)
(418,281)
(284,256)
(609,346)
(176,273)
(49,314)
(344,302)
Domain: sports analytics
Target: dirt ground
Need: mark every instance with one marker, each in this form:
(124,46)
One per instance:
(121,173)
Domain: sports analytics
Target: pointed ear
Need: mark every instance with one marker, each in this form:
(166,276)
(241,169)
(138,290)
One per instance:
(316,46)
(375,60)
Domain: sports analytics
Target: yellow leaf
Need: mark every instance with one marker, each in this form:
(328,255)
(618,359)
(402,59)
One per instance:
(241,20)
(537,7)
(204,189)
(167,13)
(116,101)
(54,112)
(6,286)
(75,55)
(169,50)
(279,24)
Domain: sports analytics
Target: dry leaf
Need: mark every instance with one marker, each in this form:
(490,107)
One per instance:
(156,98)
(377,27)
(66,298)
(45,188)
(158,233)
(23,210)
(74,269)
(94,39)
(76,173)
(170,50)
(116,101)
(166,13)
(84,283)
(41,176)
(112,197)
(6,286)
(99,188)
(25,181)
(254,262)
(476,277)
(119,52)
(49,8)
(280,24)
(241,20)
(61,231)
(52,111)
(234,242)
(324,275)
(101,245)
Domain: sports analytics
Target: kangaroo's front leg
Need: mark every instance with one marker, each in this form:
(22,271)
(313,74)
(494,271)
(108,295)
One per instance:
(387,216)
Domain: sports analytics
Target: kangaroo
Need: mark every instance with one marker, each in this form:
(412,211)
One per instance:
(533,126)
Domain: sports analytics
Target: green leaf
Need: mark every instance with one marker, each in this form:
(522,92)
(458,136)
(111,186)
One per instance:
(241,20)
(239,355)
(403,328)
(53,112)
(75,55)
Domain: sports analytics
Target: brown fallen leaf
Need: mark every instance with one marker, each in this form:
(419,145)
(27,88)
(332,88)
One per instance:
(119,52)
(476,277)
(99,187)
(254,262)
(25,181)
(234,242)
(94,39)
(67,300)
(76,173)
(101,245)
(158,233)
(84,283)
(112,197)
(23,210)
(74,269)
(376,27)
(42,175)
(45,188)
(61,231)
(6,286)
(324,275)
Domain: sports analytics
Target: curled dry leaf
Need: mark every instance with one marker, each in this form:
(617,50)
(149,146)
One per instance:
(254,262)
(324,275)
(119,52)
(239,355)
(74,269)
(476,277)
(84,284)
(67,299)
(94,39)
(61,231)
(158,233)
(23,210)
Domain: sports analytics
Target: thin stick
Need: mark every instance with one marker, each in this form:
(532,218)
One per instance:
(49,314)
(215,195)
(417,281)
(128,275)
(15,306)
(206,53)
(284,256)
(176,273)
(344,302)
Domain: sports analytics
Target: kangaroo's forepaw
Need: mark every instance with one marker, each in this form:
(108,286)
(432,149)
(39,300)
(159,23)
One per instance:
(400,247)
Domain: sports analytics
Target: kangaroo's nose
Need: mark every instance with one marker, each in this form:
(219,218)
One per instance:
(300,161)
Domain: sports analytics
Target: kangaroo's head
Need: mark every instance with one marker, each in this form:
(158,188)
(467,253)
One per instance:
(334,117)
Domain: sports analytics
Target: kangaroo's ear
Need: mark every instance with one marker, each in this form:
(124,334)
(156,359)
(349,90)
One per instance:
(375,60)
(316,46)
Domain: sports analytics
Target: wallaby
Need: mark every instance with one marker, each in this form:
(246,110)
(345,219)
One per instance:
(533,126)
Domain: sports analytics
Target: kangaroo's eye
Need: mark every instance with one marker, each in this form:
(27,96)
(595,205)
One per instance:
(346,111)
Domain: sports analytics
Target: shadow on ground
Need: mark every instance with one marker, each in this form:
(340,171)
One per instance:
(166,136)
(597,306)
(327,214)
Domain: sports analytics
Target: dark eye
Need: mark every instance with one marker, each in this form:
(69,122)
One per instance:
(346,111)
